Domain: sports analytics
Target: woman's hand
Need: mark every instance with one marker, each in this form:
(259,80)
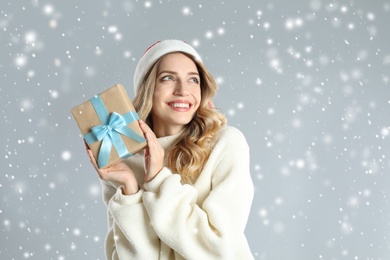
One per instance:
(154,153)
(119,173)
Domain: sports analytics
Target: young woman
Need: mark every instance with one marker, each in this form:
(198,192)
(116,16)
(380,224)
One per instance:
(188,194)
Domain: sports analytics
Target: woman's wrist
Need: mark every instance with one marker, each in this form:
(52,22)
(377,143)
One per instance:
(130,189)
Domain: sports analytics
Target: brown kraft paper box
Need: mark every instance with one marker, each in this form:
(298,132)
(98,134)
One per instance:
(115,99)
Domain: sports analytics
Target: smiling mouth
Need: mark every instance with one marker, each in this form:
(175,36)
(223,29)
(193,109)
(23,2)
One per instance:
(179,105)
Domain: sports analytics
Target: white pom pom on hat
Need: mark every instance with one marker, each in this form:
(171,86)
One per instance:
(154,52)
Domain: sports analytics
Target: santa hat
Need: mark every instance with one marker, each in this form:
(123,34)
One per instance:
(154,52)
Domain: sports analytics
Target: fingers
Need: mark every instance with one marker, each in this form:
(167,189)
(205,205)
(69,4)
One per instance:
(154,153)
(154,147)
(153,144)
(90,154)
(149,134)
(144,126)
(145,129)
(86,145)
(93,160)
(118,173)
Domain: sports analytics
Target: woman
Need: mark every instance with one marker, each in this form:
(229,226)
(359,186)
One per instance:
(188,194)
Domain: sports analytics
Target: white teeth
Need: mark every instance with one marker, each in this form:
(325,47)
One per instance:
(183,105)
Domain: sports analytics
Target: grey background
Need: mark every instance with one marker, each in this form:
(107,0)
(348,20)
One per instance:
(306,81)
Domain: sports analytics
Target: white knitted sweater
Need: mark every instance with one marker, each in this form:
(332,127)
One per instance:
(169,220)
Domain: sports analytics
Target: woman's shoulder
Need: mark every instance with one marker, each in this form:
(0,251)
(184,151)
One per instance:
(231,135)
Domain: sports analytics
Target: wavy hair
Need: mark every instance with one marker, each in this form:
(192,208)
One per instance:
(193,147)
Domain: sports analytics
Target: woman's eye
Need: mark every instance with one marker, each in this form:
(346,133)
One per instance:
(195,80)
(165,78)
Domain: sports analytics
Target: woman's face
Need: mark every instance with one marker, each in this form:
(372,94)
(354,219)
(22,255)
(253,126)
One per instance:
(177,94)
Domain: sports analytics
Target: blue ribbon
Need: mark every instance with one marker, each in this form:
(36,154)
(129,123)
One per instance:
(109,132)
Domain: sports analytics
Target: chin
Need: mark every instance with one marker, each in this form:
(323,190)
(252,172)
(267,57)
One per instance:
(181,121)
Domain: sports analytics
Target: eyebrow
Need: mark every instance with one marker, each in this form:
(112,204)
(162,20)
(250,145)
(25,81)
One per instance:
(175,73)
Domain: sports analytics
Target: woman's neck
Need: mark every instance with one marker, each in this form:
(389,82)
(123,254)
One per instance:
(160,131)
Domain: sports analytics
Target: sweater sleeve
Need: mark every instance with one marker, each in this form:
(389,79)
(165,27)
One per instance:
(108,190)
(130,235)
(211,230)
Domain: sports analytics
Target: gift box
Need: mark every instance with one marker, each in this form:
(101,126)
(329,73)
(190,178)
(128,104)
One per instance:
(110,126)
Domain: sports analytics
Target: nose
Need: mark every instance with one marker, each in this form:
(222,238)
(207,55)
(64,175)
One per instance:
(180,89)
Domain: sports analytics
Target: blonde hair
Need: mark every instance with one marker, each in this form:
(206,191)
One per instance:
(189,155)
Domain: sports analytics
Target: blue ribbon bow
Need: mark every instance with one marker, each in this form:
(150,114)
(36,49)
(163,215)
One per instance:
(109,133)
